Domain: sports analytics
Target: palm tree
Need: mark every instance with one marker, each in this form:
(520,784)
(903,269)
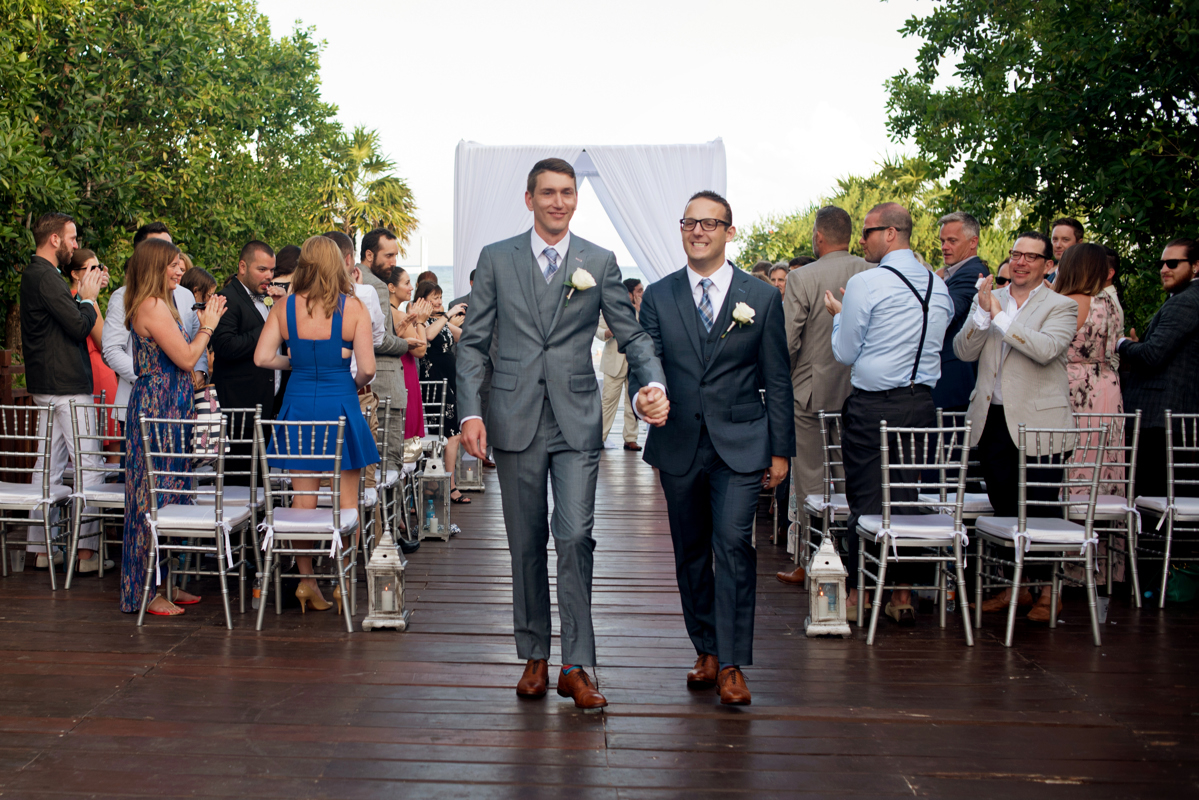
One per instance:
(361,194)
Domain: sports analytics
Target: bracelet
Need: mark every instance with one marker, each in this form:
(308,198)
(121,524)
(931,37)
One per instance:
(206,328)
(93,302)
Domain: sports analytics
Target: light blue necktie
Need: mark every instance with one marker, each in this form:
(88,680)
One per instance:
(551,255)
(705,305)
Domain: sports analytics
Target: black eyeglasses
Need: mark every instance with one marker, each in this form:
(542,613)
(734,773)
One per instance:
(1172,263)
(96,266)
(199,306)
(689,224)
(281,284)
(1000,280)
(1016,255)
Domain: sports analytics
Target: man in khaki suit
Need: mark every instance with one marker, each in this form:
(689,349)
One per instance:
(1019,336)
(616,374)
(820,383)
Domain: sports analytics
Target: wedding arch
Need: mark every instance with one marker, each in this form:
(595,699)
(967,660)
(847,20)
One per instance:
(643,189)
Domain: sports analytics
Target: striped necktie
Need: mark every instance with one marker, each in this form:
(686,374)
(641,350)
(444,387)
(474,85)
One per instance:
(705,305)
(551,256)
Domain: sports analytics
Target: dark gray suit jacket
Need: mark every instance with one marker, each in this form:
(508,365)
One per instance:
(958,377)
(719,384)
(539,358)
(1163,368)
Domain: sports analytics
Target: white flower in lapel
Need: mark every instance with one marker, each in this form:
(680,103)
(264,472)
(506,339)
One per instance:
(268,301)
(580,280)
(743,314)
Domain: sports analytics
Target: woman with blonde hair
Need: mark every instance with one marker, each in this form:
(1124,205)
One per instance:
(164,358)
(323,325)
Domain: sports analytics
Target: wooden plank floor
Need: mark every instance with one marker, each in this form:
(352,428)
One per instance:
(91,706)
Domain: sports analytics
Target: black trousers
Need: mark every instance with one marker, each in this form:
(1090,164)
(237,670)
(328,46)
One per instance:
(860,442)
(1001,470)
(712,510)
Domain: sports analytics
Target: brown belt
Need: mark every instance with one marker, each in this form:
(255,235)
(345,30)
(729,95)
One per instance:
(364,391)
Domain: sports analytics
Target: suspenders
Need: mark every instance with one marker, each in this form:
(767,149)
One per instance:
(924,303)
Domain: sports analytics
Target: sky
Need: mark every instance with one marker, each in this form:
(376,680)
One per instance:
(794,88)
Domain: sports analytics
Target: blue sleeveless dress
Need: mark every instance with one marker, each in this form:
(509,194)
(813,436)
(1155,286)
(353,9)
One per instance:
(321,389)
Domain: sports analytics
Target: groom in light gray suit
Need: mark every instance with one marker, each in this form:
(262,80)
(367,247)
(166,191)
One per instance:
(540,295)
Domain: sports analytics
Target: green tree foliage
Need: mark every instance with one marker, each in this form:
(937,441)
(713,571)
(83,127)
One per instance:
(907,181)
(361,193)
(1080,106)
(121,112)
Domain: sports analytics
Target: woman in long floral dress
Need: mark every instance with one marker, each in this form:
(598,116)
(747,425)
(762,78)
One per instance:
(164,357)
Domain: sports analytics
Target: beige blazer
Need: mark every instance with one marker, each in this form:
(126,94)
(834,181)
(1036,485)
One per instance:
(612,361)
(1036,391)
(819,382)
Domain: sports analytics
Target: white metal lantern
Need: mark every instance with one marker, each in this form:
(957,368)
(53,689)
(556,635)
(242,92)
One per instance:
(433,499)
(468,475)
(385,587)
(826,593)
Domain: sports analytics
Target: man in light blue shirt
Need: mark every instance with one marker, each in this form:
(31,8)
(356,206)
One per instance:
(889,329)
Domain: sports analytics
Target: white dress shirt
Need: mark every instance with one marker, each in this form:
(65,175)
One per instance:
(262,308)
(370,299)
(538,245)
(1003,320)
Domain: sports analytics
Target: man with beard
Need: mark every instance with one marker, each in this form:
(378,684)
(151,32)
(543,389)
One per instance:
(54,331)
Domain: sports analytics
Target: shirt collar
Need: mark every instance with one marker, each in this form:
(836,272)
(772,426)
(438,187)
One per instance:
(540,244)
(903,257)
(952,268)
(257,298)
(721,277)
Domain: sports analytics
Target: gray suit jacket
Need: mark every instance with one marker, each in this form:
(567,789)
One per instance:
(539,358)
(389,370)
(1036,391)
(819,381)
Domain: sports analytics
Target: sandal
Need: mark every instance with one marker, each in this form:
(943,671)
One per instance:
(460,500)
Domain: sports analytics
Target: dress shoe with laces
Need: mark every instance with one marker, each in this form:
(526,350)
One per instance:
(704,674)
(794,578)
(633,446)
(578,687)
(733,691)
(1000,601)
(1040,612)
(536,679)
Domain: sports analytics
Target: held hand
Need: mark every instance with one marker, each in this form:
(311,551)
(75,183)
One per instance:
(653,405)
(89,287)
(777,472)
(213,311)
(1132,335)
(474,438)
(832,304)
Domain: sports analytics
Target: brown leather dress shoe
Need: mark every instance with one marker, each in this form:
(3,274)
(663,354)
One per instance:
(1000,601)
(487,462)
(704,674)
(578,687)
(1040,612)
(794,577)
(632,446)
(733,691)
(536,679)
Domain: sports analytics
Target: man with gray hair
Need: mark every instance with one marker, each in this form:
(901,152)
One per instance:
(818,381)
(963,268)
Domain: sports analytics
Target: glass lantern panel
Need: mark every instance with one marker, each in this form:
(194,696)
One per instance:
(386,595)
(829,592)
(435,497)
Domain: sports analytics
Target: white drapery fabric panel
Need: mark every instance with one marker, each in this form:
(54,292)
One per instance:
(643,189)
(489,198)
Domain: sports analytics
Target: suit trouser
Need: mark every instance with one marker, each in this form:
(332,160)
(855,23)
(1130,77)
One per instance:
(62,448)
(712,510)
(808,465)
(860,448)
(614,389)
(572,475)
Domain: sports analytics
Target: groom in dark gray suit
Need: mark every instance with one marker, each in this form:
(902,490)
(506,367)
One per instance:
(540,295)
(722,341)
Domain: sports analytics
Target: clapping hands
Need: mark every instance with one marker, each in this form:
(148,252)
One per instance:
(213,311)
(653,405)
(831,304)
(986,300)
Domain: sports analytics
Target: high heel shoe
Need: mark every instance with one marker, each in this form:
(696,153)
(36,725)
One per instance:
(310,594)
(337,597)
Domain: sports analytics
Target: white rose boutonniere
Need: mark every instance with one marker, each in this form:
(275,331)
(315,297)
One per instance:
(743,315)
(579,280)
(268,301)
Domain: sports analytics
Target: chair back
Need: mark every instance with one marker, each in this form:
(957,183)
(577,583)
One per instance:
(1182,454)
(830,445)
(303,442)
(90,423)
(383,415)
(240,427)
(22,442)
(924,459)
(1079,470)
(172,463)
(433,395)
(1120,452)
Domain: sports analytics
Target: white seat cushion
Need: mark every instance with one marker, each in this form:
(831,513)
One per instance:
(1040,530)
(911,526)
(199,518)
(1106,505)
(1186,507)
(103,494)
(369,498)
(236,495)
(390,478)
(312,520)
(972,502)
(813,502)
(27,494)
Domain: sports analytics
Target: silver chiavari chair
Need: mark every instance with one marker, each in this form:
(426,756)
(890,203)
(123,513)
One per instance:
(383,495)
(909,456)
(1117,511)
(831,507)
(1179,514)
(433,400)
(317,532)
(239,430)
(1019,541)
(974,504)
(99,495)
(179,523)
(22,442)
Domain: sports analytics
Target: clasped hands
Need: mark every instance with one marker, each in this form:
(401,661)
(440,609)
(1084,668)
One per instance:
(653,405)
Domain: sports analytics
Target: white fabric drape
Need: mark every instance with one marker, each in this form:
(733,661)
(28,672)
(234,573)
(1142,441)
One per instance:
(643,188)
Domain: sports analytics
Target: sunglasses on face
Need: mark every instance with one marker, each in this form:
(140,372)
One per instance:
(1002,281)
(1172,263)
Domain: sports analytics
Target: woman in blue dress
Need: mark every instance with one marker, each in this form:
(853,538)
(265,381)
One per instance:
(165,357)
(323,325)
